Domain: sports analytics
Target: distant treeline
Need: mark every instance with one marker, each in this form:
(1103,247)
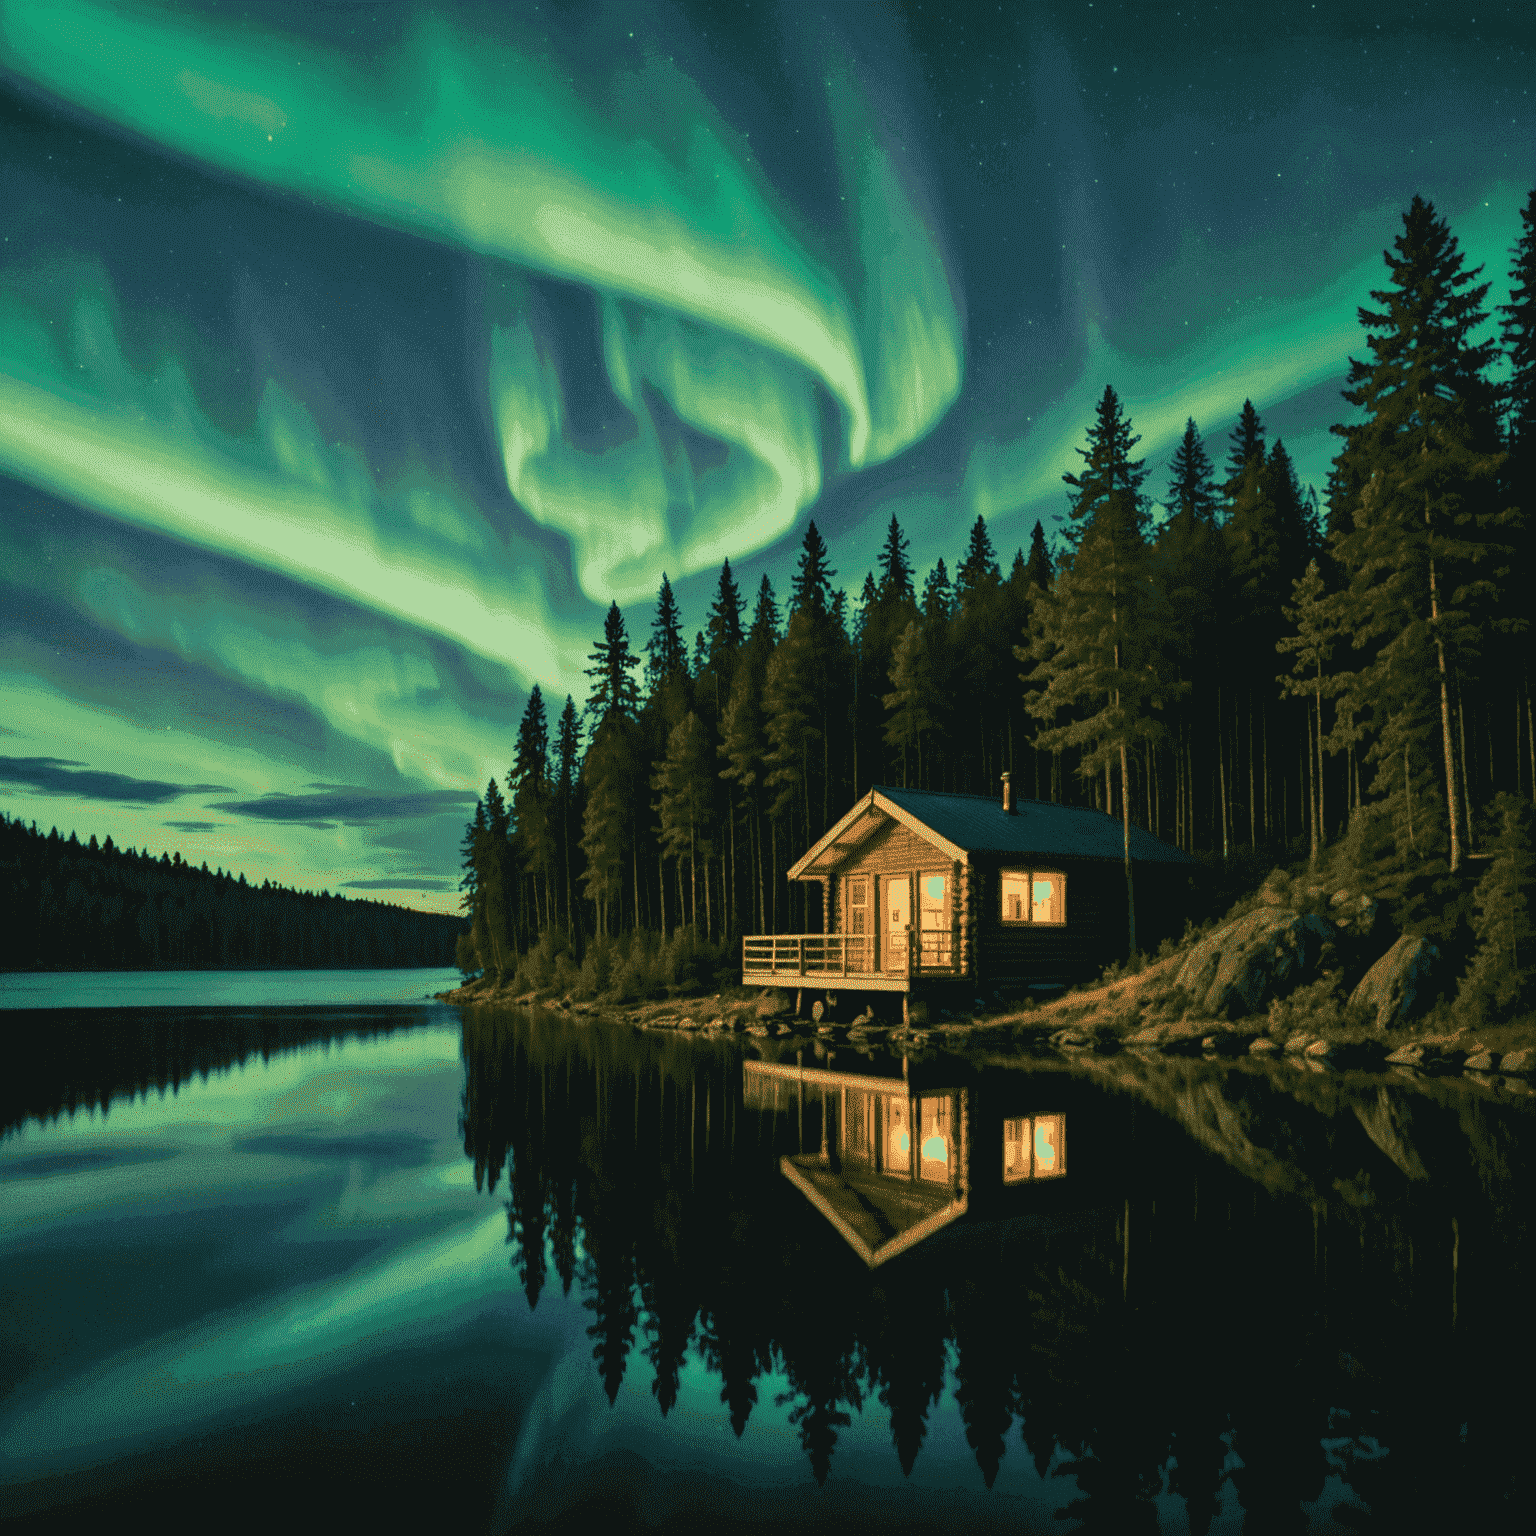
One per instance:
(73,906)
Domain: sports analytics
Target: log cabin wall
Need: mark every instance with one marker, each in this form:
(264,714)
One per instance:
(894,850)
(1094,932)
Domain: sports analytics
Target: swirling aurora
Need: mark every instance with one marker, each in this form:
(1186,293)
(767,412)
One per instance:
(352,361)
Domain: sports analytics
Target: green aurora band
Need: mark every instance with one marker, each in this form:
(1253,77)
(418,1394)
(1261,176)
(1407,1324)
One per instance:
(711,292)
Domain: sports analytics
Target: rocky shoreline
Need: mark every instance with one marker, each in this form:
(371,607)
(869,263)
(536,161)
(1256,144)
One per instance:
(1038,1031)
(1298,974)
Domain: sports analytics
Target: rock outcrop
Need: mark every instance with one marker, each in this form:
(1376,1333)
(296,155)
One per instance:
(1402,984)
(1238,968)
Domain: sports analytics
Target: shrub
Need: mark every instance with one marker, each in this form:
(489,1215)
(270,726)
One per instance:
(1320,1007)
(596,970)
(1498,983)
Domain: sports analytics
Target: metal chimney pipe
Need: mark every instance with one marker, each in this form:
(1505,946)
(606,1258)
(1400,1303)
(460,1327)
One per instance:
(1008,794)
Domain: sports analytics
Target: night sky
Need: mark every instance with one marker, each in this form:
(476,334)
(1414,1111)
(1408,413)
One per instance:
(353,357)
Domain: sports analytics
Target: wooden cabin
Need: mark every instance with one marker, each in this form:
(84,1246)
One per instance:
(949,896)
(901,1159)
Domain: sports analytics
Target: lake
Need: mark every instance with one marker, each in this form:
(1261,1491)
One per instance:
(330,1250)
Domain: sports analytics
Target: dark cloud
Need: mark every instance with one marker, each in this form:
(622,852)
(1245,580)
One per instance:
(194,826)
(348,804)
(404,883)
(60,776)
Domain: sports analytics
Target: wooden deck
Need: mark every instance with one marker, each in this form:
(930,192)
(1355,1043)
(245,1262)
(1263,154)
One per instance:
(843,961)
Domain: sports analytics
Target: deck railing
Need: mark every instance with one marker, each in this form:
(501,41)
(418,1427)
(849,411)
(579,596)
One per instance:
(808,954)
(843,954)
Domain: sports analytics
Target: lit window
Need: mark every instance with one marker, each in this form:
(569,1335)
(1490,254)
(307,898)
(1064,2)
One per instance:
(934,1148)
(1033,896)
(1050,1146)
(898,1142)
(1015,1150)
(1034,1148)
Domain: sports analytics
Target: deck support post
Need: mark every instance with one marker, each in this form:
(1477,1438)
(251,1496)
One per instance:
(799,998)
(904,1011)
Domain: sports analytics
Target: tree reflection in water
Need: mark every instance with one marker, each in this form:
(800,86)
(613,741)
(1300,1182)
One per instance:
(1157,1322)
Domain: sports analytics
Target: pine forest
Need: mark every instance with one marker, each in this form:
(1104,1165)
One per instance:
(1215,659)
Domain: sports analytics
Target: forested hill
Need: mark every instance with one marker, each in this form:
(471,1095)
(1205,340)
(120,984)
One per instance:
(72,906)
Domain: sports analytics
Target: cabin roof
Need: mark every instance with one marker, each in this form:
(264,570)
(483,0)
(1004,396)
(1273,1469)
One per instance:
(966,824)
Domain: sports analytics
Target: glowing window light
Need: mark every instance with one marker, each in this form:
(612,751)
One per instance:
(1046,907)
(898,1143)
(1015,896)
(1016,1142)
(934,1148)
(1048,1146)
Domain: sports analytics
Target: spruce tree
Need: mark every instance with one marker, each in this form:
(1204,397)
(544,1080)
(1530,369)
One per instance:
(913,705)
(1518,333)
(613,689)
(744,748)
(724,626)
(608,776)
(765,619)
(684,802)
(567,770)
(895,567)
(1423,556)
(531,762)
(529,790)
(1247,448)
(978,572)
(666,652)
(811,587)
(1097,643)
(493,856)
(938,596)
(1039,567)
(1192,570)
(1192,488)
(1316,622)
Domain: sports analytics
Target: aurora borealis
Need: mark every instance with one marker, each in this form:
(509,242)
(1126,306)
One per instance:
(353,358)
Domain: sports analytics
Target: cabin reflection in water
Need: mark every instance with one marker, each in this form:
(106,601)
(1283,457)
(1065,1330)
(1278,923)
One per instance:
(898,1162)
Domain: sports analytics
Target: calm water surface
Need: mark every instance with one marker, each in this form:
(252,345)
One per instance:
(361,1259)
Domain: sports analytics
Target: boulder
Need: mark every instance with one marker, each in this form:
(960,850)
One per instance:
(1410,1055)
(1179,1036)
(1320,1050)
(1264,1046)
(772,1004)
(1071,1040)
(1225,1042)
(1356,913)
(1521,1063)
(1402,984)
(1239,967)
(1483,1061)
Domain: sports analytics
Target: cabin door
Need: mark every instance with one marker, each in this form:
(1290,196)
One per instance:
(898,916)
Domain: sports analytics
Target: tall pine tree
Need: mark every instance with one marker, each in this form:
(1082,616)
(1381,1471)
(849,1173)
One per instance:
(1422,556)
(1097,641)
